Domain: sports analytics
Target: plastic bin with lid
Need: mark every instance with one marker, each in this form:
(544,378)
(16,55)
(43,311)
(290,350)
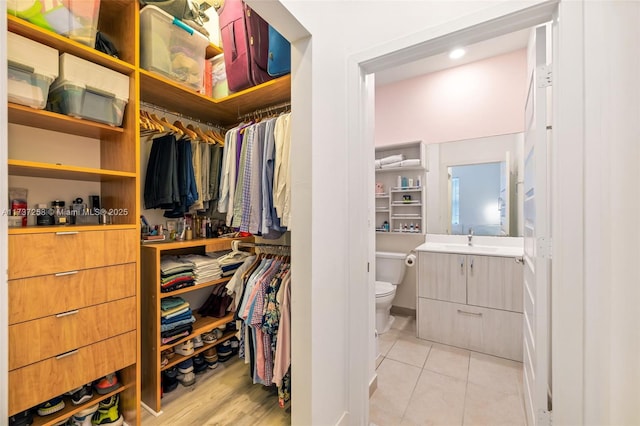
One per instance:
(90,91)
(76,19)
(219,77)
(32,69)
(171,48)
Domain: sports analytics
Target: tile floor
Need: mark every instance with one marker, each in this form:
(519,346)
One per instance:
(426,383)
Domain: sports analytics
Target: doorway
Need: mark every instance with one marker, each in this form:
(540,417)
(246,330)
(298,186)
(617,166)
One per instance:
(365,66)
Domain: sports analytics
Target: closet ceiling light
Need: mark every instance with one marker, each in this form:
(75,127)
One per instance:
(457,53)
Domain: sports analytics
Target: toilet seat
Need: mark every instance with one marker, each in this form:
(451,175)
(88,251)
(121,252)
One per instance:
(384,288)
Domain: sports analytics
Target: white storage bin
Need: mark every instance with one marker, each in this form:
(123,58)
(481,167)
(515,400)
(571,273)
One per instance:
(32,69)
(171,48)
(90,91)
(219,77)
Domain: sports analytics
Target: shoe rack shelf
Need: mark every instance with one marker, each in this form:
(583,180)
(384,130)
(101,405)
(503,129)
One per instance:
(70,409)
(152,347)
(177,358)
(202,325)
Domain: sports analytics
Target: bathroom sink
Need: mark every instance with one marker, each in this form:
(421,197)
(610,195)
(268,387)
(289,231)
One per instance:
(473,249)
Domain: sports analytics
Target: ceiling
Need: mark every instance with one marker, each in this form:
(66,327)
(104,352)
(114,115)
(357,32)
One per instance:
(475,52)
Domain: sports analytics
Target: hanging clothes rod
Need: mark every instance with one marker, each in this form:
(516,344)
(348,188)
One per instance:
(267,110)
(156,108)
(236,244)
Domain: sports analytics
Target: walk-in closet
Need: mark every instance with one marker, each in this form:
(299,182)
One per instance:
(150,166)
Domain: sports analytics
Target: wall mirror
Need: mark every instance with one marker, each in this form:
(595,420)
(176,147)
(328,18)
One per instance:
(472,184)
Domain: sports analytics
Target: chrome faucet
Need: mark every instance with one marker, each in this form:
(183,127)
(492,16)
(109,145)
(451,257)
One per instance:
(470,236)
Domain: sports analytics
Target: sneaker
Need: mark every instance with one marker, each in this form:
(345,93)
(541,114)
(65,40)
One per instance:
(218,332)
(186,366)
(110,417)
(235,345)
(112,401)
(197,341)
(107,384)
(24,418)
(199,364)
(184,348)
(209,337)
(82,418)
(225,351)
(82,394)
(52,406)
(188,379)
(169,379)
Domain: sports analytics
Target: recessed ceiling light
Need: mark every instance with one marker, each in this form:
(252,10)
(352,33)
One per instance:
(457,53)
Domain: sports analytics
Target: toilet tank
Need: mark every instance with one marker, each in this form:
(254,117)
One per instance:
(390,267)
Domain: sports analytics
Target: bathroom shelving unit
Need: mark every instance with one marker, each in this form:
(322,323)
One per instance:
(402,208)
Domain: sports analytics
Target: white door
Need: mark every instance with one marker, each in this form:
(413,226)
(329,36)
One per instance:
(537,261)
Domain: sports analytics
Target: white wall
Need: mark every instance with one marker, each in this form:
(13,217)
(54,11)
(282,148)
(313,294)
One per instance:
(338,30)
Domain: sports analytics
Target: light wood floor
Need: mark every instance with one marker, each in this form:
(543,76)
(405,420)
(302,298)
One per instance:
(224,396)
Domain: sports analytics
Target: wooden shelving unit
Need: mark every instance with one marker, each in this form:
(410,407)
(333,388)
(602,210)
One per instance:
(118,176)
(151,255)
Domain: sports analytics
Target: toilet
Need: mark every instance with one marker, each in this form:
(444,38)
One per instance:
(390,269)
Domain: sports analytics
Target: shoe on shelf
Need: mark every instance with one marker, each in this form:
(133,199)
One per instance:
(218,332)
(82,394)
(52,406)
(188,379)
(24,418)
(186,366)
(231,326)
(199,364)
(184,348)
(82,418)
(211,358)
(197,341)
(209,337)
(107,384)
(224,351)
(108,412)
(235,345)
(169,379)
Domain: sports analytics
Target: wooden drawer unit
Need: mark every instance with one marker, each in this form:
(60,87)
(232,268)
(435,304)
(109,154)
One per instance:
(30,298)
(66,250)
(479,329)
(33,341)
(46,379)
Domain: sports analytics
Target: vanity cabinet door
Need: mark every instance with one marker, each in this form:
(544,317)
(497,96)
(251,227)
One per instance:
(442,277)
(495,282)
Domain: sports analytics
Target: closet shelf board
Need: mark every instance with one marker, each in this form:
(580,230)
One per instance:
(67,228)
(66,45)
(42,119)
(177,358)
(58,171)
(211,244)
(70,409)
(408,189)
(195,287)
(158,90)
(202,325)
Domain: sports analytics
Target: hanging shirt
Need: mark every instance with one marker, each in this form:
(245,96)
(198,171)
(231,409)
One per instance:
(228,174)
(281,179)
(270,226)
(254,212)
(196,159)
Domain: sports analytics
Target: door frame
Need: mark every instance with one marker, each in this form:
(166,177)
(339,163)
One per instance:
(568,117)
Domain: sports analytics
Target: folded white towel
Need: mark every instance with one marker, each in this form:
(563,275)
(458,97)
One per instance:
(392,159)
(378,164)
(392,165)
(410,163)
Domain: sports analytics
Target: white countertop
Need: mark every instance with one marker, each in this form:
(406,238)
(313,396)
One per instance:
(483,246)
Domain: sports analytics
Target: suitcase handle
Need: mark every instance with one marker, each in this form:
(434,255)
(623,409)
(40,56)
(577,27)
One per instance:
(179,23)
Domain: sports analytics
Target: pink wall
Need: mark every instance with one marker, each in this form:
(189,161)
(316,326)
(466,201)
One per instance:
(483,98)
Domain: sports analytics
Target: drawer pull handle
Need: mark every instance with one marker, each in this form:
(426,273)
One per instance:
(66,354)
(67,233)
(62,274)
(66,314)
(475,314)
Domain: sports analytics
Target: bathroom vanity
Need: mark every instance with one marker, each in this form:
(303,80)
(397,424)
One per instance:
(470,296)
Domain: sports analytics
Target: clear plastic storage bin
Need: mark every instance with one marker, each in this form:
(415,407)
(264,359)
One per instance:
(90,91)
(76,19)
(171,48)
(219,77)
(32,69)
